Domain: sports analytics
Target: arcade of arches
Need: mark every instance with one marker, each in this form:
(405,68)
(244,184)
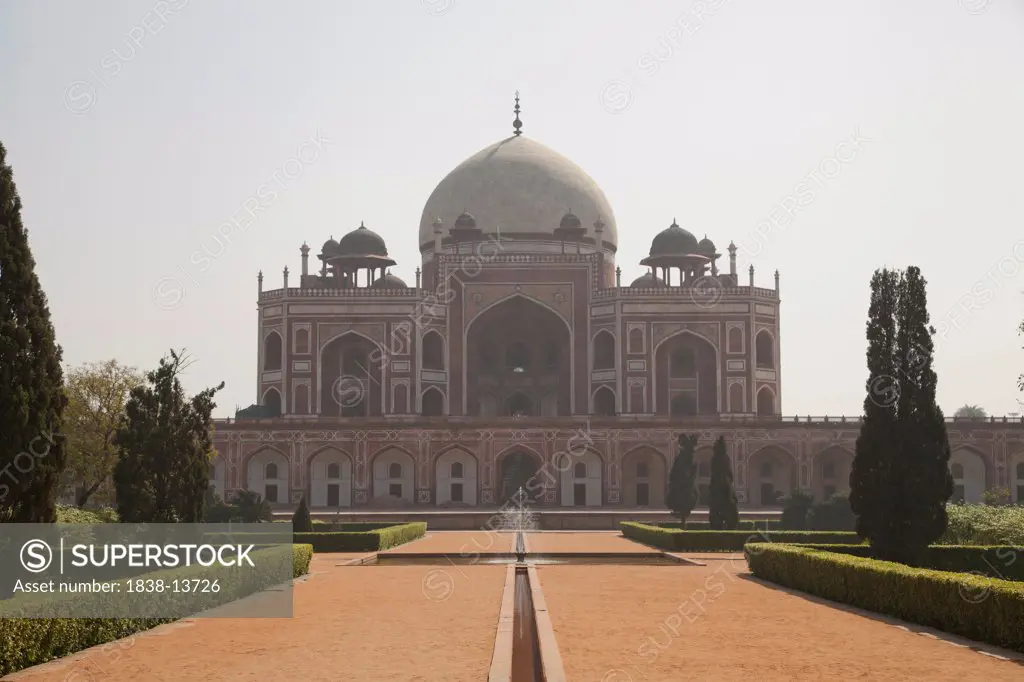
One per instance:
(455,478)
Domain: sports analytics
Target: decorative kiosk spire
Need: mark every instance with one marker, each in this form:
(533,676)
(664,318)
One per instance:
(517,124)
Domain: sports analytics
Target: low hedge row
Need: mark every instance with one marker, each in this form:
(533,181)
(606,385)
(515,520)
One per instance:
(705,525)
(676,540)
(994,561)
(375,540)
(984,609)
(25,642)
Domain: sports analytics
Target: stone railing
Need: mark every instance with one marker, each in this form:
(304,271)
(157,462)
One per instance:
(621,421)
(697,293)
(355,292)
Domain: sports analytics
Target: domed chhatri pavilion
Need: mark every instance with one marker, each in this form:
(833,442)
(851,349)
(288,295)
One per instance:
(520,356)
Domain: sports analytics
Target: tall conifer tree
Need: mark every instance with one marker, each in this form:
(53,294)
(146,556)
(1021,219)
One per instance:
(723,512)
(682,479)
(900,480)
(32,396)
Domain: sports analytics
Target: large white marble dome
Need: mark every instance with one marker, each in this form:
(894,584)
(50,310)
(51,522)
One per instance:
(520,187)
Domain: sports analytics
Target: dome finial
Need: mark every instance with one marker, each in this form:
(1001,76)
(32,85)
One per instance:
(517,124)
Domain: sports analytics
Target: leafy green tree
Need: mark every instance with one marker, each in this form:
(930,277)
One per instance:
(682,479)
(796,508)
(971,412)
(163,472)
(97,394)
(302,522)
(723,511)
(251,507)
(32,396)
(900,481)
(832,514)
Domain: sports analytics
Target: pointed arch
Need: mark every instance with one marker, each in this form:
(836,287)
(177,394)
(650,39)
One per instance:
(475,339)
(301,341)
(272,400)
(300,399)
(1015,476)
(362,392)
(518,466)
(456,477)
(581,478)
(766,402)
(764,349)
(329,469)
(644,477)
(604,350)
(433,350)
(771,474)
(394,476)
(706,403)
(273,351)
(529,299)
(737,397)
(830,472)
(433,402)
(969,487)
(604,402)
(274,489)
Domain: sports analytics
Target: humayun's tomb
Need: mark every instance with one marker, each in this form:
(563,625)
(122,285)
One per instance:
(520,356)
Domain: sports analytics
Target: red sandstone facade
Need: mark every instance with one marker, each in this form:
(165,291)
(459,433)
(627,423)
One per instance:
(519,358)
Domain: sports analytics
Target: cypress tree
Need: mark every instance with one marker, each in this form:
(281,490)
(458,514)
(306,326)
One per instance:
(872,494)
(925,482)
(163,471)
(302,522)
(682,479)
(32,395)
(900,480)
(723,511)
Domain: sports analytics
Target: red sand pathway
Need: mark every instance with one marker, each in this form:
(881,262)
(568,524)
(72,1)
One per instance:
(612,624)
(644,624)
(468,544)
(359,623)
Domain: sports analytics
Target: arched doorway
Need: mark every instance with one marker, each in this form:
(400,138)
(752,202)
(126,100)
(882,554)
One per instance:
(581,477)
(393,477)
(267,475)
(765,402)
(968,469)
(518,469)
(330,480)
(1016,475)
(644,478)
(519,348)
(687,376)
(771,475)
(350,377)
(764,350)
(831,473)
(604,402)
(455,474)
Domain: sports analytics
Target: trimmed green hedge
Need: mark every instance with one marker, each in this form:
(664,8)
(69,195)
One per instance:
(349,527)
(25,642)
(704,525)
(301,556)
(374,540)
(994,561)
(984,609)
(676,540)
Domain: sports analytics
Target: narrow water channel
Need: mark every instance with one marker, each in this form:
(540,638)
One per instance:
(526,663)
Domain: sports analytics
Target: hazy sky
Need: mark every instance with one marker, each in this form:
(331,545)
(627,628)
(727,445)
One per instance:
(135,129)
